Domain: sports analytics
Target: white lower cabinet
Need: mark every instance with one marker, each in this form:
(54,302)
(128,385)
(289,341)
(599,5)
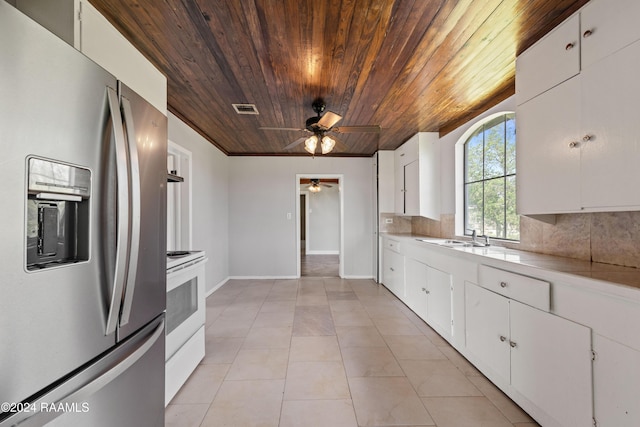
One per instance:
(428,294)
(545,358)
(487,329)
(393,272)
(616,383)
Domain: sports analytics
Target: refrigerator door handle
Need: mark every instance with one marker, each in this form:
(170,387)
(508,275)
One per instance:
(122,243)
(135,211)
(76,391)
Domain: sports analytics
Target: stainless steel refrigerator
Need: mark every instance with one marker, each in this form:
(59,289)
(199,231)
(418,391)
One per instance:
(82,238)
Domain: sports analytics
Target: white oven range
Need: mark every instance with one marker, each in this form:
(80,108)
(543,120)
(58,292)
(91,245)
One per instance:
(185,317)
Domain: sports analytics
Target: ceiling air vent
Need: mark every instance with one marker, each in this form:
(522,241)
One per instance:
(245,109)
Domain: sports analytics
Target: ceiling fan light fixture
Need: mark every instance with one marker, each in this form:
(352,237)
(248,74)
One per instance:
(327,144)
(311,143)
(315,188)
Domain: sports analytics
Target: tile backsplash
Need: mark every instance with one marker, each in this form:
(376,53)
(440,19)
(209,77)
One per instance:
(606,237)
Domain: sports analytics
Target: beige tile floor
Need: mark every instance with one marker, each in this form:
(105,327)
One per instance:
(330,352)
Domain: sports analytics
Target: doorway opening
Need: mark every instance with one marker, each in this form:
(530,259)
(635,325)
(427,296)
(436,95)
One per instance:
(319,230)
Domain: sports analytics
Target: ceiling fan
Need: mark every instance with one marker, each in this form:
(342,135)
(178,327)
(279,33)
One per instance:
(315,185)
(321,125)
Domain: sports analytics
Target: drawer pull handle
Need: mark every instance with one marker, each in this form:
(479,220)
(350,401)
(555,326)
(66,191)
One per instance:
(513,344)
(503,338)
(503,284)
(569,46)
(391,268)
(587,33)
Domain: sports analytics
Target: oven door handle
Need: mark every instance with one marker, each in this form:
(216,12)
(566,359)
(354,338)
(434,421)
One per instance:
(181,268)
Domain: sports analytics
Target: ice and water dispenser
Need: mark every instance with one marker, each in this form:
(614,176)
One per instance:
(58,196)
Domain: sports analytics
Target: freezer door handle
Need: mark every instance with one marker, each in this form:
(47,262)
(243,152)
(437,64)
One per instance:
(77,389)
(122,241)
(135,211)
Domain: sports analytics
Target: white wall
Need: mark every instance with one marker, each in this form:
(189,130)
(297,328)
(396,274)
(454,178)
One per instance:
(324,221)
(210,213)
(263,190)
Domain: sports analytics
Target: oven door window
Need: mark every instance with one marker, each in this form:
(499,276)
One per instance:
(182,302)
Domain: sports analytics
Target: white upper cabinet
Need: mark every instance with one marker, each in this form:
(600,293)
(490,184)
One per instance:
(548,155)
(80,24)
(386,190)
(552,60)
(610,138)
(606,27)
(579,141)
(417,176)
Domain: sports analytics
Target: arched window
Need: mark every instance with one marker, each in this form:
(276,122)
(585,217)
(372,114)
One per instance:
(490,179)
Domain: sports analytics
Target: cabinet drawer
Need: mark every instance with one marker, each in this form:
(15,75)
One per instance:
(530,291)
(393,245)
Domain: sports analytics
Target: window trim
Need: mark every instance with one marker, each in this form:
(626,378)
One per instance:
(460,167)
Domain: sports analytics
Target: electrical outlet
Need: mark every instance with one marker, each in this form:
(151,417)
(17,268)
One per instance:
(388,220)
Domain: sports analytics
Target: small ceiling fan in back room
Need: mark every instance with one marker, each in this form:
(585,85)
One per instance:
(321,126)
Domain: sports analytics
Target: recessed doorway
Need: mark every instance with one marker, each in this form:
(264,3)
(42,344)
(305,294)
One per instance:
(319,225)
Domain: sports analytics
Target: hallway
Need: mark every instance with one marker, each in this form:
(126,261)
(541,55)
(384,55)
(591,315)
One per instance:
(329,353)
(319,265)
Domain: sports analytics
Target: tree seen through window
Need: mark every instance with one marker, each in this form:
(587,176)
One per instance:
(490,179)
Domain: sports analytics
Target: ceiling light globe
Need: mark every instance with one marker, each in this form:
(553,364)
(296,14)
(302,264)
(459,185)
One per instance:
(311,143)
(327,144)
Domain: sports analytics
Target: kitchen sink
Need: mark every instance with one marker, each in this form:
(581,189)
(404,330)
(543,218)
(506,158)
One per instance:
(451,243)
(447,242)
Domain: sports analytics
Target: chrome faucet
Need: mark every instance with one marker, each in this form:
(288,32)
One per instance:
(474,239)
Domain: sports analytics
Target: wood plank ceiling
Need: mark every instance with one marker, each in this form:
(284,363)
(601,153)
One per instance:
(405,65)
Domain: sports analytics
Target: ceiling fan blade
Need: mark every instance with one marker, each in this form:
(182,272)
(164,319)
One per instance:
(356,129)
(329,119)
(288,129)
(295,143)
(326,185)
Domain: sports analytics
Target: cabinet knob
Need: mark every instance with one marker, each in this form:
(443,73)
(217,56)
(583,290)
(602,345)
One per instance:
(569,46)
(586,138)
(503,284)
(391,268)
(587,34)
(513,344)
(424,290)
(573,144)
(503,338)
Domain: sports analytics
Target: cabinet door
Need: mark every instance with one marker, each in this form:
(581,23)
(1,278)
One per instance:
(393,272)
(552,60)
(416,286)
(429,180)
(616,384)
(412,189)
(398,186)
(610,158)
(439,301)
(611,26)
(547,162)
(551,364)
(487,329)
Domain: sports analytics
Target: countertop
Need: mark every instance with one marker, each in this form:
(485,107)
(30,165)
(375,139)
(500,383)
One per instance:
(627,277)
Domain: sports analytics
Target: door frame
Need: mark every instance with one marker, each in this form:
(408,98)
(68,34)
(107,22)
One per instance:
(340,178)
